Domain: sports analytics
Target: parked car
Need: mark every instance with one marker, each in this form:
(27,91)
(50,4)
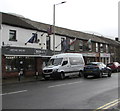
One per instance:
(96,69)
(115,66)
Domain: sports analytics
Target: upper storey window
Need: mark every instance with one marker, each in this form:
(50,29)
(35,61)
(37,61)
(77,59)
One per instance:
(12,35)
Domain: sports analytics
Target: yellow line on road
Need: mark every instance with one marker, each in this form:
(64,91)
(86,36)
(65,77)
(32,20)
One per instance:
(112,105)
(108,105)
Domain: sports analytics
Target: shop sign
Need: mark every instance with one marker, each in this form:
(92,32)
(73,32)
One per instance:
(23,51)
(90,54)
(39,52)
(104,55)
(16,50)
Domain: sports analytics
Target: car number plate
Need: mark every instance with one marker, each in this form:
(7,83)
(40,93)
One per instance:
(89,71)
(47,75)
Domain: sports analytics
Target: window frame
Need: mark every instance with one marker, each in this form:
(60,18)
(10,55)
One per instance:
(80,45)
(12,35)
(72,46)
(97,47)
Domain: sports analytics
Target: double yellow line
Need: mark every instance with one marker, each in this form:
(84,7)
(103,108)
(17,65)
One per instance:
(108,105)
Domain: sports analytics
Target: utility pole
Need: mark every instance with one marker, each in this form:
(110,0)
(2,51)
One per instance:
(54,25)
(1,61)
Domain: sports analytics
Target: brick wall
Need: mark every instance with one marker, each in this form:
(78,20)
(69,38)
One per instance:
(39,64)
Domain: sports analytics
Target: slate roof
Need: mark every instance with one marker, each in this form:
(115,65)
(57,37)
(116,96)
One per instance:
(18,21)
(13,20)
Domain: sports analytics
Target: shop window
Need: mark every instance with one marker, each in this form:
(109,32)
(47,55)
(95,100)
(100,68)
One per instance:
(17,63)
(11,64)
(12,35)
(30,63)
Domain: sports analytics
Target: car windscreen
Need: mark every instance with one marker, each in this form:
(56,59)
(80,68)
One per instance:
(110,64)
(55,61)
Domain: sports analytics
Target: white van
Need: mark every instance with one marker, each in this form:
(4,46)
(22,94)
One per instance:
(62,65)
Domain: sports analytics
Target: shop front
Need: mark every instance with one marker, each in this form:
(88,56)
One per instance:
(29,60)
(91,57)
(105,57)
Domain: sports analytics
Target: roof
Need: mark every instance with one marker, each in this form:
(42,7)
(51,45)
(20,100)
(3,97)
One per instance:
(13,20)
(67,55)
(18,21)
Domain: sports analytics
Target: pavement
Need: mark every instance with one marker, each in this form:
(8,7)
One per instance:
(23,79)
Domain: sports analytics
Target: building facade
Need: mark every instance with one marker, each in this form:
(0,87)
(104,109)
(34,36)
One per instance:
(27,45)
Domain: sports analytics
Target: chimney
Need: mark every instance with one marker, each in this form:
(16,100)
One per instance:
(117,39)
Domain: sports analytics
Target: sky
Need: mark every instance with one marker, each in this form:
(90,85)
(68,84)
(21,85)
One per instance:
(99,17)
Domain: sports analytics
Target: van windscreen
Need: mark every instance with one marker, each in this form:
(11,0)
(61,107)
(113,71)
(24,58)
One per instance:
(55,61)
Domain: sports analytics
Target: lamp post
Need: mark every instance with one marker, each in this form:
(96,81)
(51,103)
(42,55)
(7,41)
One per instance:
(54,24)
(0,59)
(0,48)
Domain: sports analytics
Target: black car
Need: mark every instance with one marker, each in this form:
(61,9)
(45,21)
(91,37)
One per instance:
(96,69)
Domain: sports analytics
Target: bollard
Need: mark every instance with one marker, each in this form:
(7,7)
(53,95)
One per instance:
(19,76)
(36,75)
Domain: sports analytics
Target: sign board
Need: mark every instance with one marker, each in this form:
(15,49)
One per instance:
(104,54)
(8,50)
(90,54)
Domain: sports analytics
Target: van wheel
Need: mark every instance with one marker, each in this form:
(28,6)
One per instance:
(46,78)
(62,75)
(80,74)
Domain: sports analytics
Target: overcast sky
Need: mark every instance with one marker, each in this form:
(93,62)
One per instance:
(94,16)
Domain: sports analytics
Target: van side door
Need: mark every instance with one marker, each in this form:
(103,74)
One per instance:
(65,67)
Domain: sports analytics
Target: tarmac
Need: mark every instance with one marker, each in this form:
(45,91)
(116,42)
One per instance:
(25,79)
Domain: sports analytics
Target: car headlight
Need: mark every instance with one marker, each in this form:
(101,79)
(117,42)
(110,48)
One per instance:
(55,70)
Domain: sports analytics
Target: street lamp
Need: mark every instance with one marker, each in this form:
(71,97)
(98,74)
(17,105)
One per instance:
(54,24)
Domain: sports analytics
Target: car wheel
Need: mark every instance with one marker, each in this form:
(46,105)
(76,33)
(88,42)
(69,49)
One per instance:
(46,78)
(117,70)
(109,74)
(85,75)
(100,75)
(62,75)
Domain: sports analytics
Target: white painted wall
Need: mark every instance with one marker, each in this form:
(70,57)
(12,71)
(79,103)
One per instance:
(23,35)
(57,42)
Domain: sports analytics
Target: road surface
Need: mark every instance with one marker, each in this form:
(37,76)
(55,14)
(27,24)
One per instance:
(74,93)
